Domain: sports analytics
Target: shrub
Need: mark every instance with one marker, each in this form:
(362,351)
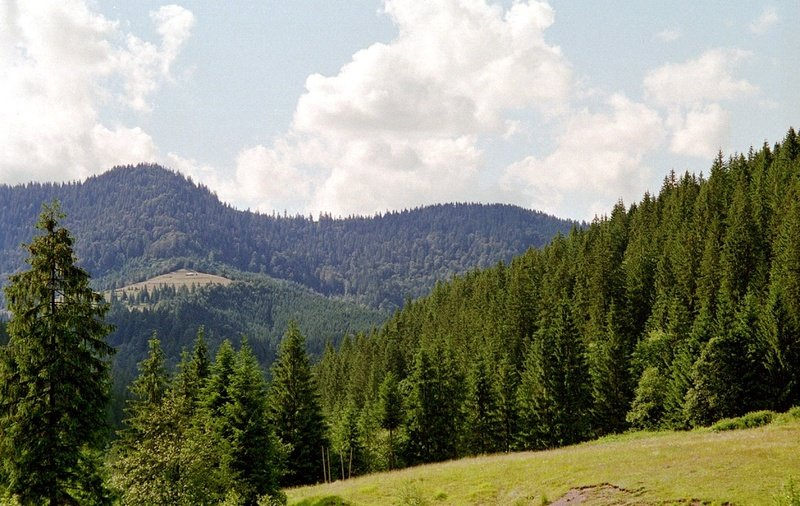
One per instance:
(750,420)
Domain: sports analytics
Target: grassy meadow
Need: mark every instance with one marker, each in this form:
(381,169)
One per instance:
(751,466)
(177,279)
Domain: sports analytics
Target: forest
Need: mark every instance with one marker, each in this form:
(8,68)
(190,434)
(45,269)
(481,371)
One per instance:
(677,311)
(132,223)
(671,313)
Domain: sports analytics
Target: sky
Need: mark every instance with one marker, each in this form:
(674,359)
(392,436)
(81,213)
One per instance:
(362,106)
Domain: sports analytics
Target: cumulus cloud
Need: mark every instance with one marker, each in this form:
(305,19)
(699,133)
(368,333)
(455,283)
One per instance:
(400,124)
(768,18)
(691,93)
(700,132)
(708,77)
(61,62)
(598,159)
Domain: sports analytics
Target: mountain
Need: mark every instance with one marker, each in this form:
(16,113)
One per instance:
(132,223)
(332,276)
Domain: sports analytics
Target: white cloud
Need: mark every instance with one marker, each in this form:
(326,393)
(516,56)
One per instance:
(598,159)
(708,77)
(60,63)
(691,93)
(669,34)
(399,125)
(768,18)
(701,132)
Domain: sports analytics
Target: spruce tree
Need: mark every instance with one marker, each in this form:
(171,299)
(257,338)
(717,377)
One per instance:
(554,395)
(254,456)
(434,407)
(483,418)
(390,411)
(54,373)
(295,410)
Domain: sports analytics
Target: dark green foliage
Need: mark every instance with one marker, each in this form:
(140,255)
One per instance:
(199,437)
(434,402)
(131,218)
(252,306)
(390,411)
(253,450)
(677,311)
(554,397)
(54,373)
(295,410)
(730,377)
(484,426)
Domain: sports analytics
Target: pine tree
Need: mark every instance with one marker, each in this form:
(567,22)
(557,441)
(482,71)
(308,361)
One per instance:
(554,396)
(148,463)
(434,407)
(295,410)
(729,378)
(483,421)
(193,371)
(254,455)
(390,411)
(780,325)
(54,374)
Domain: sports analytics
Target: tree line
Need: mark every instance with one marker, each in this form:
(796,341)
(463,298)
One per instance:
(677,311)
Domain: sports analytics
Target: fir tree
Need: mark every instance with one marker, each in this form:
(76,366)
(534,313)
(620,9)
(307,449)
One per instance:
(483,420)
(554,395)
(54,374)
(295,410)
(254,458)
(390,411)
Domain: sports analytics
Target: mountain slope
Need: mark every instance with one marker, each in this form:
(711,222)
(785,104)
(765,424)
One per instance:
(131,219)
(754,466)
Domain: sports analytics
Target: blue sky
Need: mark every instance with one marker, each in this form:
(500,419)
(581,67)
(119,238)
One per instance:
(362,106)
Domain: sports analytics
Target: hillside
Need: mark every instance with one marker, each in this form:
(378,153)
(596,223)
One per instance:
(176,305)
(672,313)
(132,223)
(752,467)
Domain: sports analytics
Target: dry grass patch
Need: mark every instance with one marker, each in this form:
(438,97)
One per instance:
(182,278)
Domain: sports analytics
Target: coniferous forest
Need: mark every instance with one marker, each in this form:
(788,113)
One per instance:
(671,313)
(677,311)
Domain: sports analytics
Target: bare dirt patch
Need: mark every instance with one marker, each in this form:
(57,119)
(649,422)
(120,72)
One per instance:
(607,494)
(599,495)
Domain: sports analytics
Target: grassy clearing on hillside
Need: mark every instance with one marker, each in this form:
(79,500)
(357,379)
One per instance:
(750,466)
(177,279)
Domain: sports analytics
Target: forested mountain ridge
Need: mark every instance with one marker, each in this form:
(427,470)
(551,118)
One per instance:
(130,219)
(677,311)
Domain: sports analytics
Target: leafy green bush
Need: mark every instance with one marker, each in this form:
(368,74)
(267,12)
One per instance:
(750,420)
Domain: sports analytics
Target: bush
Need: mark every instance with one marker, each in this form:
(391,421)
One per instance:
(748,421)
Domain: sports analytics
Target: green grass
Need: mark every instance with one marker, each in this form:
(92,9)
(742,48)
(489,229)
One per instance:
(752,466)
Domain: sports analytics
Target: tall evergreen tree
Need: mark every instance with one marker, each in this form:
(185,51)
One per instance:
(434,407)
(483,420)
(554,394)
(295,410)
(390,411)
(254,458)
(54,374)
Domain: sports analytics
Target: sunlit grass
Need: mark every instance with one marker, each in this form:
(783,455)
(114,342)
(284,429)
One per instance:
(741,466)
